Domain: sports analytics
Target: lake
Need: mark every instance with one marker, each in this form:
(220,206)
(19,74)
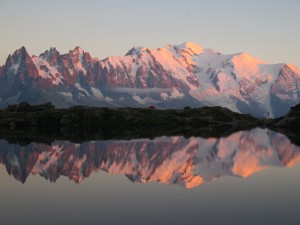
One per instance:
(248,177)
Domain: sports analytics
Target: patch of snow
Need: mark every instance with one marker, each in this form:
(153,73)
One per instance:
(172,49)
(52,72)
(77,60)
(57,80)
(294,68)
(141,90)
(79,164)
(71,72)
(14,68)
(47,158)
(123,64)
(245,66)
(136,50)
(97,94)
(15,162)
(264,80)
(78,86)
(194,48)
(172,65)
(174,94)
(79,65)
(67,94)
(142,101)
(57,148)
(13,99)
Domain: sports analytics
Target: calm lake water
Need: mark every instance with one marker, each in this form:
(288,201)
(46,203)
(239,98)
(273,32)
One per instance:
(249,177)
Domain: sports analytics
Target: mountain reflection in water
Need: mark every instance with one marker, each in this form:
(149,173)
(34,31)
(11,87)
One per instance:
(171,160)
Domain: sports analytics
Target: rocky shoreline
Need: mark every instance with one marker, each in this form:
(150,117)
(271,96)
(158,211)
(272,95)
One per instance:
(24,123)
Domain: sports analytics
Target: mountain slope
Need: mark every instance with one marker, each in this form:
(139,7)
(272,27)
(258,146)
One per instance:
(169,77)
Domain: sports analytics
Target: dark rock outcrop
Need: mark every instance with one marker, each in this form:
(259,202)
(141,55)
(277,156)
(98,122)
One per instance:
(81,123)
(289,124)
(87,123)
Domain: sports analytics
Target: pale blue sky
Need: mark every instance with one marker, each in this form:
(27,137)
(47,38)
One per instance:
(266,29)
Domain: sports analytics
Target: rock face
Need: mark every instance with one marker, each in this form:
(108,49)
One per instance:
(176,160)
(170,77)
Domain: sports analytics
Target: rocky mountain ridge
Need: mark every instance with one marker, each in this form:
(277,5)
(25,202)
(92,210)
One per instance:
(171,77)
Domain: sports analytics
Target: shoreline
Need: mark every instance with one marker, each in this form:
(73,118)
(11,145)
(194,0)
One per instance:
(24,123)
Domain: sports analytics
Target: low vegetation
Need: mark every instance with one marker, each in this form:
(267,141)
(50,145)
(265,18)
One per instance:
(25,123)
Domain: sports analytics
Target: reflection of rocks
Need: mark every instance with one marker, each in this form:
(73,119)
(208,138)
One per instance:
(171,160)
(289,124)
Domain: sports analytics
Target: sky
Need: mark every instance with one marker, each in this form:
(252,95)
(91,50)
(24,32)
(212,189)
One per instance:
(266,29)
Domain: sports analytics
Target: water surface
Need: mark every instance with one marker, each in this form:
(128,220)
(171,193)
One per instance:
(249,177)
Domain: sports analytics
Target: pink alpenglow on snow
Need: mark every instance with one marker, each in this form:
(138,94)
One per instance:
(174,76)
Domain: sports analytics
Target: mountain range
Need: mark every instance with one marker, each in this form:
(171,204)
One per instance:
(175,160)
(174,76)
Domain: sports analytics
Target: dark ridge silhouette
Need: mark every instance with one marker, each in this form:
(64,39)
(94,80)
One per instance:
(24,123)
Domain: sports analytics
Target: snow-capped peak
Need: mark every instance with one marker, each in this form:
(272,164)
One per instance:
(77,55)
(21,52)
(194,48)
(170,77)
(22,49)
(135,50)
(246,65)
(49,53)
(14,60)
(294,68)
(246,57)
(77,50)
